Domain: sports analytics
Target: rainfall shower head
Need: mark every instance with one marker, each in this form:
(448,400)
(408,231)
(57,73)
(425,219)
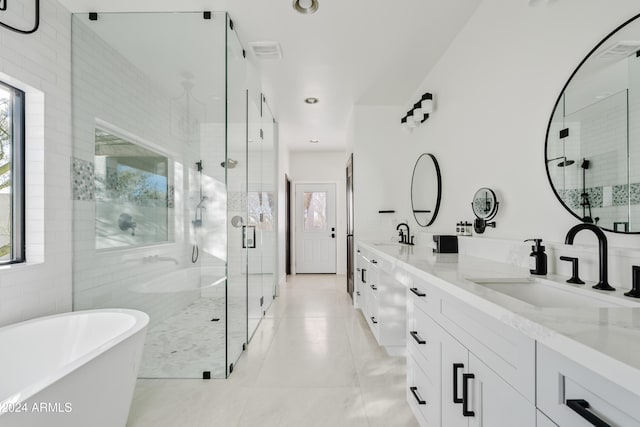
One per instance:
(229,164)
(564,163)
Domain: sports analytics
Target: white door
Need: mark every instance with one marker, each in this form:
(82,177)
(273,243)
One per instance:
(315,228)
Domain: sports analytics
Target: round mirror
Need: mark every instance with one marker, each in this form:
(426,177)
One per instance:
(485,204)
(426,187)
(593,138)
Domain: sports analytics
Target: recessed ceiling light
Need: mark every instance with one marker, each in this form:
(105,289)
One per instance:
(314,141)
(305,6)
(312,100)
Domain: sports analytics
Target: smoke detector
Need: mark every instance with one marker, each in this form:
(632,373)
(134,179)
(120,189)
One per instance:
(266,50)
(620,49)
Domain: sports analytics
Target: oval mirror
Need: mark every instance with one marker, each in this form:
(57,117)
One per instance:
(593,138)
(426,187)
(485,205)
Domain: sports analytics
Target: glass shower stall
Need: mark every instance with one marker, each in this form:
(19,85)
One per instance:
(174,185)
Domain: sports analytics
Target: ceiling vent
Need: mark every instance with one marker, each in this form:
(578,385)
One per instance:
(621,49)
(266,50)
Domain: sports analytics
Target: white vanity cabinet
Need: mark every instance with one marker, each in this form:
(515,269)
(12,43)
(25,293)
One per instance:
(382,301)
(573,396)
(474,361)
(462,388)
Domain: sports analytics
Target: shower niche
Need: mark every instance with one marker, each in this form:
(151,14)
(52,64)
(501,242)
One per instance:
(167,178)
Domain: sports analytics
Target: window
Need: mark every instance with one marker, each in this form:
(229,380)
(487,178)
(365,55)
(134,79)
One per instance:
(131,193)
(11,175)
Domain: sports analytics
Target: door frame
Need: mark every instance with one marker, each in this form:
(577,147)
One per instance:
(293,215)
(287,220)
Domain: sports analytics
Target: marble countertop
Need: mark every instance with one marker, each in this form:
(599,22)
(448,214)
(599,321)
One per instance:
(605,340)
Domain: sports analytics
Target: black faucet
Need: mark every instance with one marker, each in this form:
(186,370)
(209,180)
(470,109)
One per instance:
(404,238)
(603,283)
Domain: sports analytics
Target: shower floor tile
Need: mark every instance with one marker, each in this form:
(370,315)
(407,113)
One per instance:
(189,342)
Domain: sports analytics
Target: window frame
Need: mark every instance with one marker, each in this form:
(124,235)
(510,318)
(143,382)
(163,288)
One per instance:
(18,126)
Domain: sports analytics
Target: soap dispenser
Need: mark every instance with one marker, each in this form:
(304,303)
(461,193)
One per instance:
(538,261)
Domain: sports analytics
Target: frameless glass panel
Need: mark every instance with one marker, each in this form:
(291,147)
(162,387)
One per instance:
(158,99)
(315,211)
(597,140)
(255,142)
(268,203)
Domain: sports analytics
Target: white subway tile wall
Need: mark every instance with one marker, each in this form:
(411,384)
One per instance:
(40,64)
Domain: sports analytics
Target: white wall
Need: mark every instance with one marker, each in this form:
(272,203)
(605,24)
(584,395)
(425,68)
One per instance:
(323,166)
(495,90)
(382,170)
(40,64)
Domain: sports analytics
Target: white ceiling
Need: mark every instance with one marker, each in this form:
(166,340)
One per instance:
(349,52)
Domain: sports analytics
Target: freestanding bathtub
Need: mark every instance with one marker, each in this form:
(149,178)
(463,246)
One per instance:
(72,369)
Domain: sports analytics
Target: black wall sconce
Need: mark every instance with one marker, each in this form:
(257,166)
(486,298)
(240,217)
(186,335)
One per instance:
(419,113)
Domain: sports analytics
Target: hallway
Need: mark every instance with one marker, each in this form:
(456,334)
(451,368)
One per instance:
(312,362)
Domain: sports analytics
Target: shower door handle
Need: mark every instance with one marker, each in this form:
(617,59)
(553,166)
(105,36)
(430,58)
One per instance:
(248,239)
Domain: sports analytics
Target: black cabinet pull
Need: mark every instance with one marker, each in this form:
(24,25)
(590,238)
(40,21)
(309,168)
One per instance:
(417,292)
(363,271)
(414,391)
(581,407)
(456,367)
(373,320)
(465,395)
(416,337)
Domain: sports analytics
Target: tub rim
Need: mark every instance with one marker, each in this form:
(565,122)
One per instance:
(19,396)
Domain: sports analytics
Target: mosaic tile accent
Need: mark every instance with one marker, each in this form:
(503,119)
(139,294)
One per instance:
(84,180)
(620,196)
(635,194)
(171,197)
(573,197)
(595,196)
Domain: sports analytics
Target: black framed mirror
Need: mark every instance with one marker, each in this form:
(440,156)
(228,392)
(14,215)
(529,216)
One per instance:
(592,148)
(426,189)
(485,207)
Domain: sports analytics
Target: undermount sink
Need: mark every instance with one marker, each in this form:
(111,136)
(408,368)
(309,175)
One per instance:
(545,293)
(386,244)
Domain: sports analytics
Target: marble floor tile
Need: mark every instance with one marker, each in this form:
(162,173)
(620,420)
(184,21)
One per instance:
(311,362)
(309,407)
